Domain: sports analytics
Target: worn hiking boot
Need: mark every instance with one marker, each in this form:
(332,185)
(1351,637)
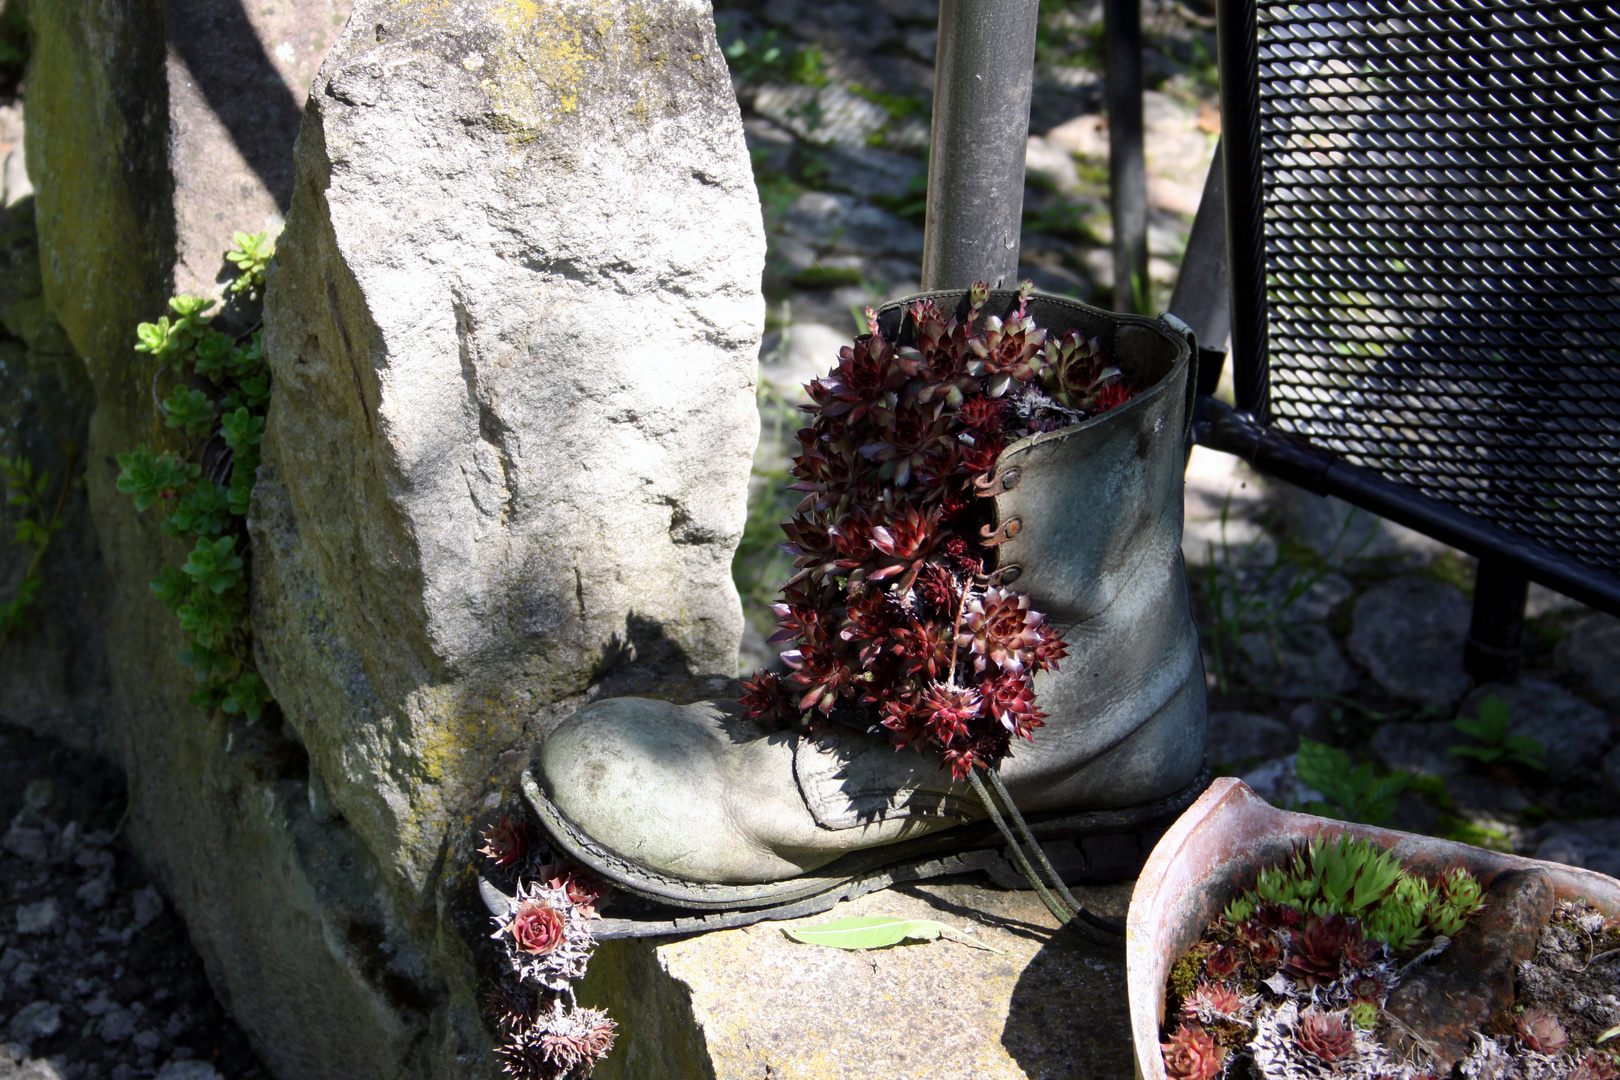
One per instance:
(695,807)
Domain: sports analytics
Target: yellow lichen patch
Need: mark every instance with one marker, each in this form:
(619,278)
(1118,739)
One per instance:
(548,55)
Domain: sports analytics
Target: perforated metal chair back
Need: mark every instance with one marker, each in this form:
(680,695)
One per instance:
(1423,217)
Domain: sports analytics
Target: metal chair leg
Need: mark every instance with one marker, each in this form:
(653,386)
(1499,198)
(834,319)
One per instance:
(1494,651)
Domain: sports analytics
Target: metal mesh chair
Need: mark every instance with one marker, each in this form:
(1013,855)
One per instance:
(1422,203)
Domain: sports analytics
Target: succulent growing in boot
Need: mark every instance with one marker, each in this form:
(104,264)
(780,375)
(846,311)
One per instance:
(947,546)
(902,441)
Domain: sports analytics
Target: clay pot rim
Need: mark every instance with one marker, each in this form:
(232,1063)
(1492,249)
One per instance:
(1213,852)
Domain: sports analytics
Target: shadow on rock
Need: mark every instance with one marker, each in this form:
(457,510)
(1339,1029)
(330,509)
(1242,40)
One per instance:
(1068,1018)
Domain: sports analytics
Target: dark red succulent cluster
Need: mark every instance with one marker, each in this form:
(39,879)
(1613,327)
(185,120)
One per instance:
(506,841)
(1319,951)
(895,618)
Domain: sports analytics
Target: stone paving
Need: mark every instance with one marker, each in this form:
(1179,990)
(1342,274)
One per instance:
(97,979)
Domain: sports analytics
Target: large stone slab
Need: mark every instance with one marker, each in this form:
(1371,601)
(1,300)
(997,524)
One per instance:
(1592,653)
(513,327)
(752,1003)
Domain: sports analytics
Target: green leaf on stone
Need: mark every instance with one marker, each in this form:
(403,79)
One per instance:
(875,932)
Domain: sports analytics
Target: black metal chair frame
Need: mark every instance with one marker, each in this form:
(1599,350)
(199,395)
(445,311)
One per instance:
(975,193)
(1223,284)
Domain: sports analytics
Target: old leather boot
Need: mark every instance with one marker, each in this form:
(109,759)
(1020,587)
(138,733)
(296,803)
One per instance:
(696,807)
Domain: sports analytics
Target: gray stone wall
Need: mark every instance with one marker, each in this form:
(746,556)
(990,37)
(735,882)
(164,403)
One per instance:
(512,331)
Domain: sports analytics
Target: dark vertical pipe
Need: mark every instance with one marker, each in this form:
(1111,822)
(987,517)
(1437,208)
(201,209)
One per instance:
(1237,34)
(1127,168)
(1495,646)
(983,74)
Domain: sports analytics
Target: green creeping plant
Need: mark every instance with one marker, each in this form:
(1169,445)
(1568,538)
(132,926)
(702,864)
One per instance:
(1353,792)
(40,521)
(221,393)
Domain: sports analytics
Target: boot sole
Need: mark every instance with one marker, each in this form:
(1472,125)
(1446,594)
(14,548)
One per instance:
(1083,846)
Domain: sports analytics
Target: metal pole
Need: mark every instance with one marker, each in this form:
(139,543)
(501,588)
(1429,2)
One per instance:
(1127,167)
(983,74)
(1495,646)
(1237,36)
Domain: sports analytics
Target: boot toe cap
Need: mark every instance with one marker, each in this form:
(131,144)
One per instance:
(655,783)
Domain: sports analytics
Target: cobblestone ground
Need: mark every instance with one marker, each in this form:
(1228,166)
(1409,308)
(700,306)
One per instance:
(1319,622)
(97,978)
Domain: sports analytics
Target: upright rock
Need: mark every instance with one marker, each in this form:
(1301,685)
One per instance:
(513,336)
(513,330)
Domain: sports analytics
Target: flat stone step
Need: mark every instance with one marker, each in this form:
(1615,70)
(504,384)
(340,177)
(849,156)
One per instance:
(751,1003)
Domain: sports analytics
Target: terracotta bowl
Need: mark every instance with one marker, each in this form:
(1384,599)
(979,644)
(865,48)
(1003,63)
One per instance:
(1214,851)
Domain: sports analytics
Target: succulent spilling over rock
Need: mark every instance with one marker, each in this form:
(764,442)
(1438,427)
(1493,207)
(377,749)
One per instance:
(1293,978)
(551,1044)
(545,934)
(895,620)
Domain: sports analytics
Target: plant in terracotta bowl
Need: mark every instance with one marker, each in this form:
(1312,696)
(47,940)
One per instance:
(1274,945)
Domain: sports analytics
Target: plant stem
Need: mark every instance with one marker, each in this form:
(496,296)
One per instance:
(1058,911)
(956,628)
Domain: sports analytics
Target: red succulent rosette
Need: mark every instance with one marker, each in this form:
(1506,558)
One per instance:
(894,620)
(1326,1035)
(1316,953)
(1192,1054)
(506,841)
(536,927)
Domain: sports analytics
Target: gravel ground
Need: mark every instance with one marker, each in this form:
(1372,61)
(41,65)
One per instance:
(98,980)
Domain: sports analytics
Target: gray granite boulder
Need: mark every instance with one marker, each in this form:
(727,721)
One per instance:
(553,319)
(1408,633)
(1591,653)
